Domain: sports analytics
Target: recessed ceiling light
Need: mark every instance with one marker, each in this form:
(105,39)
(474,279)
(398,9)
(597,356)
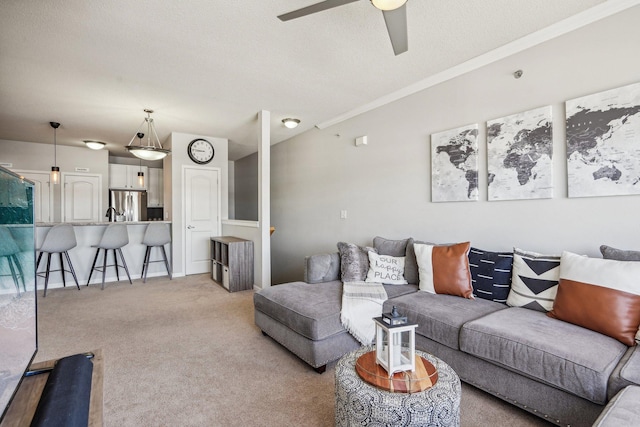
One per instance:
(291,123)
(95,145)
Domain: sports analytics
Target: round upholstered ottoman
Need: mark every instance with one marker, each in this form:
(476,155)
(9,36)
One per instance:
(361,404)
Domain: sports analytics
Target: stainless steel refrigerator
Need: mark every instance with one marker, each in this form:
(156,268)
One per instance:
(127,205)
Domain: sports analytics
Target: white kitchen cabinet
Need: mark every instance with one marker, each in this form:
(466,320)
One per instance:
(81,197)
(126,176)
(155,196)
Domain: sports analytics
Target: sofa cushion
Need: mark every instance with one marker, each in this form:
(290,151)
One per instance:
(627,372)
(354,262)
(311,310)
(440,317)
(600,294)
(490,274)
(631,369)
(394,291)
(322,268)
(444,269)
(390,247)
(554,352)
(622,410)
(619,254)
(534,280)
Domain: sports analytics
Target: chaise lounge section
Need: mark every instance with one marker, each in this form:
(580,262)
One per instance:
(305,316)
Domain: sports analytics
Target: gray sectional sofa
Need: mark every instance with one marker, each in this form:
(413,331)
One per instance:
(561,372)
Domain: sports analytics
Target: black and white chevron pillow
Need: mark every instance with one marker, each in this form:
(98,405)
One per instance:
(534,282)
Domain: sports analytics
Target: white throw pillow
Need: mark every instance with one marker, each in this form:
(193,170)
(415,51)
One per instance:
(386,269)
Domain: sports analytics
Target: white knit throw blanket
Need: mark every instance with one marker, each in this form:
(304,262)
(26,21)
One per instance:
(361,302)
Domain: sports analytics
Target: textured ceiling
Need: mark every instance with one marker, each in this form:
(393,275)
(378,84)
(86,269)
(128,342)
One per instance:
(208,66)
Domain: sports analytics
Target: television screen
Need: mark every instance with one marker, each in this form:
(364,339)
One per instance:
(18,322)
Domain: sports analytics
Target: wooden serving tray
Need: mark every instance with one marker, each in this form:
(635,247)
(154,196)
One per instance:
(424,377)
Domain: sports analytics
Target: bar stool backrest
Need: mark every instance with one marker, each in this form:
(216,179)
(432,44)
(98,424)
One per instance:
(8,245)
(156,235)
(60,238)
(115,236)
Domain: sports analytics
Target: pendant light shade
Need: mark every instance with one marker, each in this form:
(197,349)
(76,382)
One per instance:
(388,4)
(140,173)
(153,149)
(55,170)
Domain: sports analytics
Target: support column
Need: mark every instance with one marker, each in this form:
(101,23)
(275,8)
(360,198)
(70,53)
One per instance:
(264,195)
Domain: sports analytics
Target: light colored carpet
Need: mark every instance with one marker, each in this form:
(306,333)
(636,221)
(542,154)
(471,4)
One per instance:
(187,353)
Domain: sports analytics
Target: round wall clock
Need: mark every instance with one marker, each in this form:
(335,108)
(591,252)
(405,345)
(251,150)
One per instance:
(200,151)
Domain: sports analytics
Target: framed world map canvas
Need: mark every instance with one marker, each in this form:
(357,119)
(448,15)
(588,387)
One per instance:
(519,156)
(603,143)
(454,165)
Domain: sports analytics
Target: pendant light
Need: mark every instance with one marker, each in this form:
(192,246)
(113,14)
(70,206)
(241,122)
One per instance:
(140,135)
(55,170)
(149,151)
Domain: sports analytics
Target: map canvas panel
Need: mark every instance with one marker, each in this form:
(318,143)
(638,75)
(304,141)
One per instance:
(603,143)
(454,165)
(519,156)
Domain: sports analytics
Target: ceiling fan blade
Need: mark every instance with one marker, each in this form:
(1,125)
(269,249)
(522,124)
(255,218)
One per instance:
(396,21)
(318,7)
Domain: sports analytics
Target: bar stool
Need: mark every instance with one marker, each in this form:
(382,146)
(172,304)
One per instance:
(115,236)
(60,239)
(156,235)
(9,250)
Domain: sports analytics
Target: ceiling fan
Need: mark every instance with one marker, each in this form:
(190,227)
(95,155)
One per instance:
(394,11)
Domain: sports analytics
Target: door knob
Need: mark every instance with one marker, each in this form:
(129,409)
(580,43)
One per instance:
(190,227)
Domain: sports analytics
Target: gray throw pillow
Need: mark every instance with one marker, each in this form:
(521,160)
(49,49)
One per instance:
(619,254)
(390,247)
(354,261)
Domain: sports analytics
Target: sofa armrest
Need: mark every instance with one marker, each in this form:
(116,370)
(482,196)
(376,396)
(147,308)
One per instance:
(322,268)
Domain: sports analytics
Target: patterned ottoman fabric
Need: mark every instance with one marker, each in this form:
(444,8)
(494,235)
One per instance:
(361,404)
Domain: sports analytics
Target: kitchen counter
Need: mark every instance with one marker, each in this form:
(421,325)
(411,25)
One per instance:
(89,234)
(82,224)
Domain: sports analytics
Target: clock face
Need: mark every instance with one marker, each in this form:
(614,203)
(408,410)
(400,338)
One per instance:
(200,151)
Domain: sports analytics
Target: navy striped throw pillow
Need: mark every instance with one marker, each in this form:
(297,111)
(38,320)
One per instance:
(490,274)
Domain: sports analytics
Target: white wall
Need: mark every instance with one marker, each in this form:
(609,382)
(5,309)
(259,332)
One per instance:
(39,157)
(173,164)
(386,186)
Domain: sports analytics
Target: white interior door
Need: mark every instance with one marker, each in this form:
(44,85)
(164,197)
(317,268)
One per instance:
(43,197)
(202,216)
(82,197)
